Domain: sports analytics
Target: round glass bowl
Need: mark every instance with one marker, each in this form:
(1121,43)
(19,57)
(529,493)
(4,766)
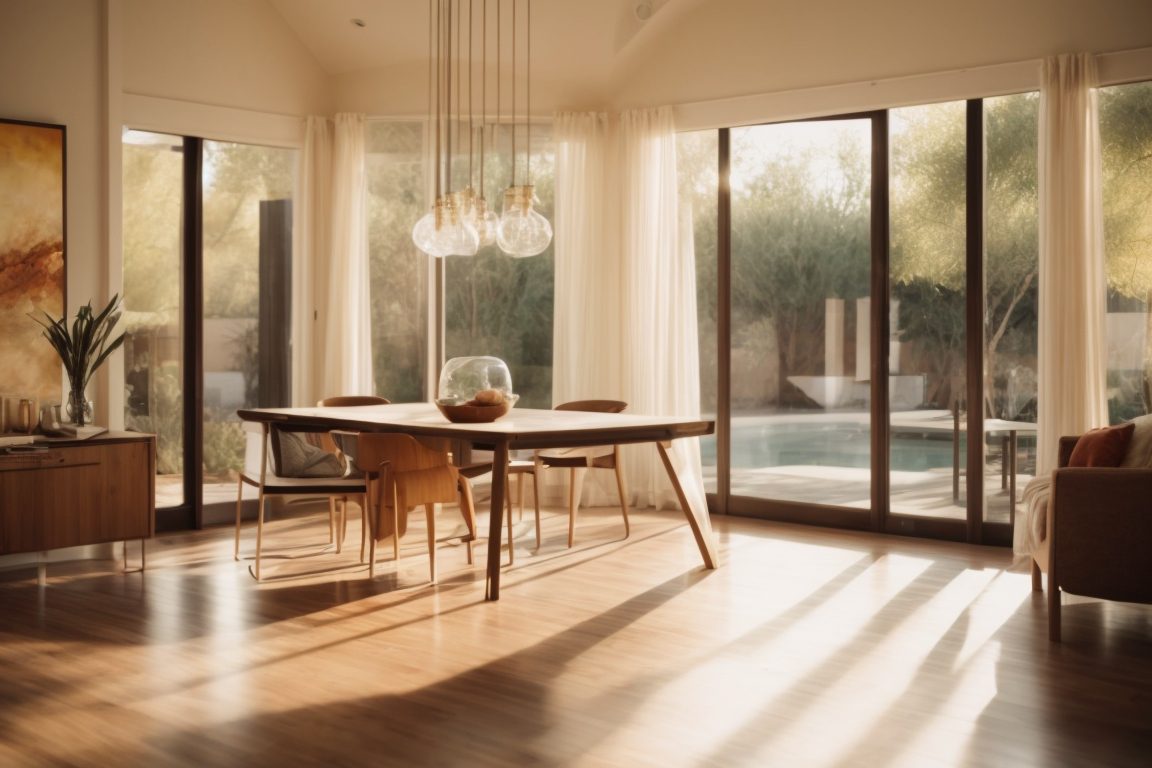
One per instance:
(475,389)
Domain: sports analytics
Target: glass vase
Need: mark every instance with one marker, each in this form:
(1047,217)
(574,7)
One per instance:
(79,407)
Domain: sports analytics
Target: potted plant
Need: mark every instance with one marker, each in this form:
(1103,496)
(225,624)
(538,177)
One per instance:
(83,348)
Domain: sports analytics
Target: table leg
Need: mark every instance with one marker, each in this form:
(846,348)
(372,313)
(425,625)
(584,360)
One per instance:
(1004,441)
(496,518)
(1012,479)
(698,519)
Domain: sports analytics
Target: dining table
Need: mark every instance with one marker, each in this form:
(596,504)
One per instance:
(523,429)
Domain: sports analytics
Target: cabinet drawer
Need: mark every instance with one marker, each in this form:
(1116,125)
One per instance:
(75,495)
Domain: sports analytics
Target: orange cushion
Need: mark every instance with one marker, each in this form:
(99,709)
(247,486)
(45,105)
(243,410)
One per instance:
(1103,447)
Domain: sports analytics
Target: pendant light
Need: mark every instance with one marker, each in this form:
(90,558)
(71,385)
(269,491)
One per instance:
(445,230)
(481,218)
(522,231)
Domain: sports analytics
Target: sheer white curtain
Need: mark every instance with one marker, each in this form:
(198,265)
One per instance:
(311,250)
(587,357)
(1072,352)
(625,299)
(661,371)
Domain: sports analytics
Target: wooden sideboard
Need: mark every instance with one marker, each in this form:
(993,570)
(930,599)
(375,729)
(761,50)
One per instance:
(78,492)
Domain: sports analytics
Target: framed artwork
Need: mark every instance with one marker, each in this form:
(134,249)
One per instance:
(32,257)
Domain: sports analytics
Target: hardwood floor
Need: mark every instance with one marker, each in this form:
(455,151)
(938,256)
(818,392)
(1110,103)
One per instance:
(807,647)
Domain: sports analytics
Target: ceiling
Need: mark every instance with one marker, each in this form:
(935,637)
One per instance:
(588,35)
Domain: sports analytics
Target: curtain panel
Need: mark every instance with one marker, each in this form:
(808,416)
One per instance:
(332,337)
(1072,354)
(626,287)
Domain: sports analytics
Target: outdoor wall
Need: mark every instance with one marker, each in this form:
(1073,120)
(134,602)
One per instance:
(693,51)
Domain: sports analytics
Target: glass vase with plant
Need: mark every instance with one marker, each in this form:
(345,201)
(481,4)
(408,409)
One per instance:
(83,347)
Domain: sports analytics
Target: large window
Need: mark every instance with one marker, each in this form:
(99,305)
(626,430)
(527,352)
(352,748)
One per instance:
(902,241)
(493,304)
(1126,136)
(498,305)
(398,272)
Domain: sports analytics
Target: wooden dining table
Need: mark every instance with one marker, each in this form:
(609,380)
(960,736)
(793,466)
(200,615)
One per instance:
(521,428)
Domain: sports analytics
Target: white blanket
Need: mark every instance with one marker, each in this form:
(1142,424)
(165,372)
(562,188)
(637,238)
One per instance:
(1032,527)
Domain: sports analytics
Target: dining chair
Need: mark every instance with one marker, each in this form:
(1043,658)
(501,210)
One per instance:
(579,460)
(338,525)
(402,473)
(516,468)
(281,463)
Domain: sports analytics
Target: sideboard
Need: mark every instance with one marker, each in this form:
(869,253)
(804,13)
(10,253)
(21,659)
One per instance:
(68,493)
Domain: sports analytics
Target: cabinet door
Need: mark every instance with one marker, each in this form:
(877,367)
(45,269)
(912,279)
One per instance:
(76,495)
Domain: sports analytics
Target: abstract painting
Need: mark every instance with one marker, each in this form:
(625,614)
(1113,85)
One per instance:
(32,225)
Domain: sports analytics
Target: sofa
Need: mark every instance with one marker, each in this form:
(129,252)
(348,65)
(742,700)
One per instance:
(1092,534)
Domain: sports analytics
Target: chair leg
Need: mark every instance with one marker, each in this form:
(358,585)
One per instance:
(468,509)
(1053,611)
(536,503)
(363,502)
(239,499)
(623,497)
(259,532)
(520,495)
(367,516)
(1037,582)
(430,514)
(396,528)
(511,548)
(332,521)
(575,486)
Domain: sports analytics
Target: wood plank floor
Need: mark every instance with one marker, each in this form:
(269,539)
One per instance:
(807,647)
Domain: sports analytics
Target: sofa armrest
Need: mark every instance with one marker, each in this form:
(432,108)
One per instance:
(1101,532)
(1064,452)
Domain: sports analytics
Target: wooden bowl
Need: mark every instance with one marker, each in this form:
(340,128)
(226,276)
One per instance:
(474,414)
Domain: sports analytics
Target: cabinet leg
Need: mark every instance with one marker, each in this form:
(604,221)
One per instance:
(128,569)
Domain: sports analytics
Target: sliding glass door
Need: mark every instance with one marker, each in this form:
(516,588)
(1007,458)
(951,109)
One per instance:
(867,306)
(207,297)
(800,389)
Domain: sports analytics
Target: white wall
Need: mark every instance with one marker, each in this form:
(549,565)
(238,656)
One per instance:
(227,69)
(695,51)
(51,64)
(222,53)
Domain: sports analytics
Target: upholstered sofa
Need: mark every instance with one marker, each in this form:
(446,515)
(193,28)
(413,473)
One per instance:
(1093,537)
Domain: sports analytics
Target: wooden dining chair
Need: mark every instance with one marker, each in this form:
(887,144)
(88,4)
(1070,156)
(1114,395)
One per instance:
(516,468)
(265,460)
(338,523)
(579,460)
(402,473)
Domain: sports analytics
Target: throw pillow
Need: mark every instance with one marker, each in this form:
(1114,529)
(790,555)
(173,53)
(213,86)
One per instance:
(1140,449)
(1103,447)
(299,458)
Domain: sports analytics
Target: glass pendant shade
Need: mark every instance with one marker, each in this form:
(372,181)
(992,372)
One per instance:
(522,231)
(444,232)
(424,235)
(485,222)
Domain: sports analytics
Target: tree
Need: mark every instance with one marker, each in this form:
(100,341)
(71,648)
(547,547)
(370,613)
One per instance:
(800,234)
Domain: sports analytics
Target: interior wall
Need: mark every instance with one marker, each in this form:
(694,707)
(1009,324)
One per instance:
(51,54)
(221,53)
(731,48)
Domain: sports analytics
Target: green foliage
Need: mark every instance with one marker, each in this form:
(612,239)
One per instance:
(160,411)
(800,234)
(85,346)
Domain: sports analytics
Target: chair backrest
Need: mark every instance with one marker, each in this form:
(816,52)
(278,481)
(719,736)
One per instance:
(593,406)
(348,401)
(403,452)
(254,436)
